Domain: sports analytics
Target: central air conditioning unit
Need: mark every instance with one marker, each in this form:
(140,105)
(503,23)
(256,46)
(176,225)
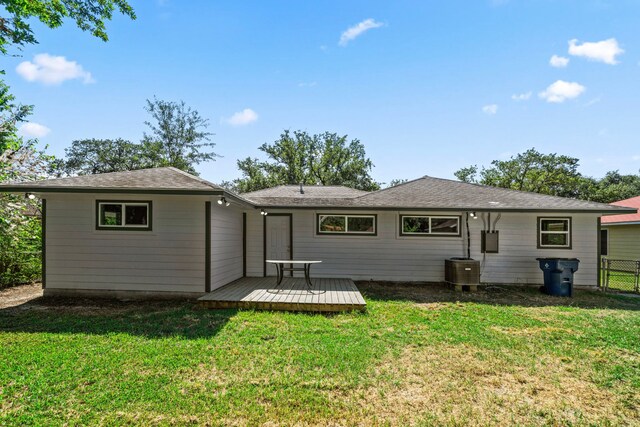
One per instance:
(462,272)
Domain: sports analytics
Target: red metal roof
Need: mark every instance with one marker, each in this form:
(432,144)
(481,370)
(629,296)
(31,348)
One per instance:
(633,202)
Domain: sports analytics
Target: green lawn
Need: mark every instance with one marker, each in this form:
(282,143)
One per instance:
(417,356)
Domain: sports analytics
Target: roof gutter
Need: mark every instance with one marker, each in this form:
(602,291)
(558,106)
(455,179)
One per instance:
(238,199)
(87,190)
(456,209)
(606,224)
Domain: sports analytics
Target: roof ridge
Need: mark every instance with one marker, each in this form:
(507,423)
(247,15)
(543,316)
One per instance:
(395,186)
(187,174)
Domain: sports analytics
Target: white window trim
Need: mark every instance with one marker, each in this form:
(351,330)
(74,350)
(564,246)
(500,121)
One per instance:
(567,233)
(124,219)
(346,224)
(430,233)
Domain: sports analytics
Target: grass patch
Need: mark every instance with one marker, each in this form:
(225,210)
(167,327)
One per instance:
(418,356)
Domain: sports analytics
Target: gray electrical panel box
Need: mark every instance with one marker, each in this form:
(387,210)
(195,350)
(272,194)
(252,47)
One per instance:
(489,242)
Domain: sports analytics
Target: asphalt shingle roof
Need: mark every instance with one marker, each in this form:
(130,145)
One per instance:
(308,192)
(424,193)
(438,194)
(157,179)
(434,193)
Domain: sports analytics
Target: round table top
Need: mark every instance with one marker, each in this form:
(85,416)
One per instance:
(291,261)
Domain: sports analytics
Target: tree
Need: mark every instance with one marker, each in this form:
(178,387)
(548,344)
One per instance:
(89,15)
(614,187)
(20,227)
(11,114)
(91,156)
(397,181)
(533,171)
(552,174)
(326,159)
(177,137)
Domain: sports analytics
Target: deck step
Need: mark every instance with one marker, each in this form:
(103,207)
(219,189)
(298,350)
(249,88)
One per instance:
(261,293)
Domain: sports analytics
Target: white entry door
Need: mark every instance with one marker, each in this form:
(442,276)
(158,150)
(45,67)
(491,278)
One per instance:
(278,242)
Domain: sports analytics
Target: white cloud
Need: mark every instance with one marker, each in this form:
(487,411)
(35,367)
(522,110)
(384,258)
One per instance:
(558,61)
(35,130)
(52,70)
(490,109)
(521,96)
(560,91)
(242,118)
(602,51)
(635,158)
(357,30)
(307,84)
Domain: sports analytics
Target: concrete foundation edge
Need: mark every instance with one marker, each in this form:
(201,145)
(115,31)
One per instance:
(121,295)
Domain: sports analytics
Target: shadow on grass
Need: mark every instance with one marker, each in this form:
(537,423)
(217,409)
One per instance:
(507,295)
(149,319)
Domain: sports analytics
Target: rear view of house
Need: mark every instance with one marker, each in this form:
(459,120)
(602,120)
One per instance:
(165,232)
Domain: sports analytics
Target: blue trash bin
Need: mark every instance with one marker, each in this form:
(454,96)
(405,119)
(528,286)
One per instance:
(558,275)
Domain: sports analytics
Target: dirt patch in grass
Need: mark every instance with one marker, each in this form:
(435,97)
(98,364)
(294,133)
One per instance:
(532,331)
(29,297)
(460,385)
(17,295)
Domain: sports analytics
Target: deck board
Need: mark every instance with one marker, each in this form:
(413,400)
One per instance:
(291,295)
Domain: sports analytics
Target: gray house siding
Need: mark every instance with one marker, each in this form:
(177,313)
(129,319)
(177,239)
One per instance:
(389,256)
(226,244)
(255,249)
(169,258)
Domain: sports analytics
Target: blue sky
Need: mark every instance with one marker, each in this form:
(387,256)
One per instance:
(427,86)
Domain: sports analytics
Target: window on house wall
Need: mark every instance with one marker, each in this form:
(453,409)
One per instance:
(346,224)
(604,242)
(554,233)
(419,225)
(116,215)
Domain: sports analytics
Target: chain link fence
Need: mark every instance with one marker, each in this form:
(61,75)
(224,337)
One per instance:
(621,275)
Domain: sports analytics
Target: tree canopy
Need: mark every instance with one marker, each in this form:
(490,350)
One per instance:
(89,15)
(177,138)
(11,113)
(297,157)
(92,156)
(552,174)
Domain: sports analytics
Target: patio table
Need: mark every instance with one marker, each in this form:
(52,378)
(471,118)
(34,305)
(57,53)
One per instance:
(280,268)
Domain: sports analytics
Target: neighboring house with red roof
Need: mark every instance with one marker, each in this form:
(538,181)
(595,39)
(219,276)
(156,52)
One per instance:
(620,235)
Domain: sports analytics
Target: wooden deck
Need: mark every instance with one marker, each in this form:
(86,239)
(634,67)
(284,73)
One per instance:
(292,295)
